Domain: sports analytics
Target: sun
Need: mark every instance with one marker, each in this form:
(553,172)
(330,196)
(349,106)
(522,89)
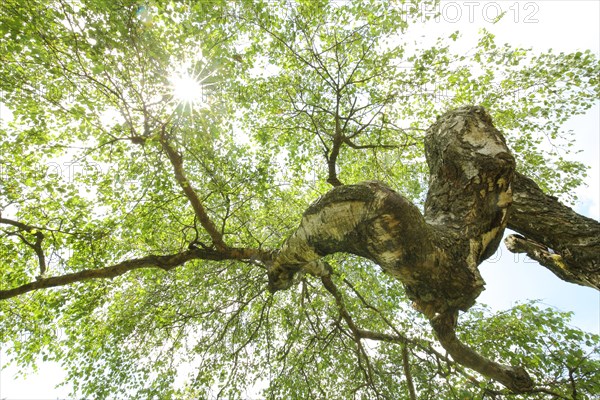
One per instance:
(188,89)
(189,82)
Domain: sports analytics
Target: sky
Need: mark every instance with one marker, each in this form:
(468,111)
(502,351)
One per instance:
(561,25)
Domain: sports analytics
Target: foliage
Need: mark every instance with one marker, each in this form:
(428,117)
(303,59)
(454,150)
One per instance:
(292,89)
(541,340)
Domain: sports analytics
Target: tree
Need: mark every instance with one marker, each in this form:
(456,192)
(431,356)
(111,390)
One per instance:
(190,233)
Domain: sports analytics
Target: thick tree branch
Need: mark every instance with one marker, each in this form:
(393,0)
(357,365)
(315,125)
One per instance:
(332,177)
(177,162)
(165,262)
(568,244)
(435,256)
(554,262)
(514,378)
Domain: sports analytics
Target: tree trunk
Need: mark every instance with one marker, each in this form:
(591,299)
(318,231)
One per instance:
(436,255)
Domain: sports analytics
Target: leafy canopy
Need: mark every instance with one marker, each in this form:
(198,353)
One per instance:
(288,90)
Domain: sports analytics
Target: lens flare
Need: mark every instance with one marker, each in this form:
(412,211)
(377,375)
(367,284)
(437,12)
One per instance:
(188,89)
